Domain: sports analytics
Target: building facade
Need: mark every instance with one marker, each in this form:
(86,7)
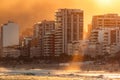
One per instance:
(69,29)
(105,40)
(106,20)
(9,37)
(44,32)
(89,30)
(49,44)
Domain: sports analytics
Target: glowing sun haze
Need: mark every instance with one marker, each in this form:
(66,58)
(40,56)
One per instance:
(27,12)
(104,2)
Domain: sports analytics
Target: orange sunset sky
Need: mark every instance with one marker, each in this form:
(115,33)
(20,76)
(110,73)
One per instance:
(27,12)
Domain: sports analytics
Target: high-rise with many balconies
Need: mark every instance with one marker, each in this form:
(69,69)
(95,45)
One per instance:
(44,32)
(69,30)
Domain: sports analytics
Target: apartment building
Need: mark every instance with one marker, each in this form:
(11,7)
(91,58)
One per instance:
(106,20)
(107,39)
(9,37)
(44,32)
(69,29)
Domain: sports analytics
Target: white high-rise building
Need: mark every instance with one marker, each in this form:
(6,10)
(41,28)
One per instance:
(9,36)
(69,30)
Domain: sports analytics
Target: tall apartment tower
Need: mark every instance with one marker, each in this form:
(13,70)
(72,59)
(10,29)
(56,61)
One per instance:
(44,31)
(106,20)
(9,37)
(69,29)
